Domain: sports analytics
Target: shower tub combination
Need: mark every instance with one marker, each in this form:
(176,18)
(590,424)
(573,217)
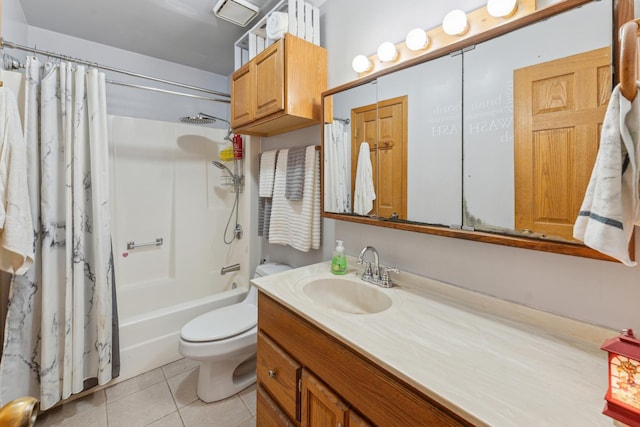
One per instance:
(165,186)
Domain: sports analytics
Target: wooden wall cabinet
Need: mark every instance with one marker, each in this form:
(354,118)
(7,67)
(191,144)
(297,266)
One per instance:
(330,383)
(280,89)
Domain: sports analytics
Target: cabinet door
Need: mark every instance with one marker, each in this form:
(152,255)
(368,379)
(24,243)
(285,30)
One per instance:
(270,80)
(242,93)
(320,406)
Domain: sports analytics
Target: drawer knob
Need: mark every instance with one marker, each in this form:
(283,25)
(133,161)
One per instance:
(272,373)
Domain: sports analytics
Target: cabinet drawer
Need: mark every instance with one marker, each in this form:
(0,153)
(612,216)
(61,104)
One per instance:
(268,412)
(278,373)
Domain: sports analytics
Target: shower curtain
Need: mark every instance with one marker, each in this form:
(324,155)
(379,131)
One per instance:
(337,175)
(61,326)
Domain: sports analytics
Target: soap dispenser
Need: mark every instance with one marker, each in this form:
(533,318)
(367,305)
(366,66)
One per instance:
(339,261)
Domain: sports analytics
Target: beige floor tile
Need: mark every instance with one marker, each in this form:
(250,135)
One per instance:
(72,409)
(248,396)
(251,422)
(171,420)
(94,417)
(225,413)
(141,408)
(179,366)
(183,387)
(134,384)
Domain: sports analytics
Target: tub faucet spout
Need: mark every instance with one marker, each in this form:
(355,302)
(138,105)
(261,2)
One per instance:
(230,268)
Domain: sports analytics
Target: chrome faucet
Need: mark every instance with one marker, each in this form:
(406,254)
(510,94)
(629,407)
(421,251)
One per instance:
(376,274)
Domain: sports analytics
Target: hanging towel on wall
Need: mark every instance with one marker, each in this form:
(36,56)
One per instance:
(267,172)
(297,222)
(611,206)
(16,226)
(295,173)
(364,193)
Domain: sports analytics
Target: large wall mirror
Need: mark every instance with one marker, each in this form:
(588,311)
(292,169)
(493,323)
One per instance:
(445,155)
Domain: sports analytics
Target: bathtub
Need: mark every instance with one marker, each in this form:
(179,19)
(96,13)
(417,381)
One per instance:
(150,340)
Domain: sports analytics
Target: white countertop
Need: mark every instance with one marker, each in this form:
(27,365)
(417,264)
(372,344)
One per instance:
(493,362)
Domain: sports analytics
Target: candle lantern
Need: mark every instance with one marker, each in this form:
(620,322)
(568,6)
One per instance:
(623,394)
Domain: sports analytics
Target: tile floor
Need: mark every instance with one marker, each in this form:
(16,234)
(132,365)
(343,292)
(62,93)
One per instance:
(164,397)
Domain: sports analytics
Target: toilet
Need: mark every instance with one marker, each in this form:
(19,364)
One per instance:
(224,342)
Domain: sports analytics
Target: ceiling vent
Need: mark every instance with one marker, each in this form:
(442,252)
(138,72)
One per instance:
(240,12)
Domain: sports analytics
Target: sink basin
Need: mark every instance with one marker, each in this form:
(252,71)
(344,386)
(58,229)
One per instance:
(347,295)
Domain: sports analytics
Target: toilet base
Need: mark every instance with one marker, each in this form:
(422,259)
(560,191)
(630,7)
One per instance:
(221,379)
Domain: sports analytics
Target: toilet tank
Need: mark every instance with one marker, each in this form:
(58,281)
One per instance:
(270,268)
(264,270)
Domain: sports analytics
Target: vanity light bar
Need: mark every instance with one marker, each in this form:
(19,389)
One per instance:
(420,42)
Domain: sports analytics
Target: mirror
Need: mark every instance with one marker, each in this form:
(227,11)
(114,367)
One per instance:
(461,157)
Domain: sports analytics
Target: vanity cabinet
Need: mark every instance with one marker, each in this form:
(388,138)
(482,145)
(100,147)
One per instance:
(280,89)
(333,384)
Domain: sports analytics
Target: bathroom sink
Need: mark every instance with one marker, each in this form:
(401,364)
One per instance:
(347,295)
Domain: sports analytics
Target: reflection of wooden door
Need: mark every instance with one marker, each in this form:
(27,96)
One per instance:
(384,128)
(559,110)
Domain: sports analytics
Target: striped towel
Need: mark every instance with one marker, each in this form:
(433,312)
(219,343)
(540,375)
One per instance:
(280,210)
(610,208)
(295,173)
(267,169)
(297,222)
(264,216)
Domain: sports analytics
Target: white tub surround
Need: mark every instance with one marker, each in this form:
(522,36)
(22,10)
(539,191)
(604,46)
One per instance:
(490,361)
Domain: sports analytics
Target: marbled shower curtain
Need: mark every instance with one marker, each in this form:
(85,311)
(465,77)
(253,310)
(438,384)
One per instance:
(61,327)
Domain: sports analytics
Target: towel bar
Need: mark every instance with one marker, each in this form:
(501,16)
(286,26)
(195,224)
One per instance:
(133,245)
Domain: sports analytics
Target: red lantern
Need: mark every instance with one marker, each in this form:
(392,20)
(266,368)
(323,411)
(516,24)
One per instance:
(623,394)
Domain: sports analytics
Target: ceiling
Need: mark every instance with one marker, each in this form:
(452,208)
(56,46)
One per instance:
(181,31)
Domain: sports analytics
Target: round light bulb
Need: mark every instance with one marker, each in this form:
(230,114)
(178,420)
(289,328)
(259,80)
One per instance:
(360,64)
(417,39)
(502,8)
(455,23)
(387,52)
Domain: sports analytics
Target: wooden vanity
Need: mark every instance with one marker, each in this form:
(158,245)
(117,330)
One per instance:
(318,381)
(439,355)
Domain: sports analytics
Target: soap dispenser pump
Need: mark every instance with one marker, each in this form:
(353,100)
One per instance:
(339,260)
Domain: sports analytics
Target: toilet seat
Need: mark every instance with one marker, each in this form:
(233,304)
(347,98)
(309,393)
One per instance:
(221,323)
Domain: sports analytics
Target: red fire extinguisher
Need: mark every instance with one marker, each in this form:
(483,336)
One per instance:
(237,146)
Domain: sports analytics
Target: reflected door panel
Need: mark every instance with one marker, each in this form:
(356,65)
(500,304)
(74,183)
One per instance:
(392,158)
(560,109)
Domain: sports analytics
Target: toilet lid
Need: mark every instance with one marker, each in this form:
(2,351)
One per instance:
(221,323)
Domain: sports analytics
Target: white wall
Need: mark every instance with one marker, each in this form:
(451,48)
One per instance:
(598,292)
(163,185)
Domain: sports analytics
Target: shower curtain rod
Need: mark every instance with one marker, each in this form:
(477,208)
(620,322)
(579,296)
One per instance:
(12,45)
(172,92)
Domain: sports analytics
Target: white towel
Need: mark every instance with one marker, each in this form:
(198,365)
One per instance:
(365,192)
(297,222)
(267,172)
(16,226)
(277,25)
(611,206)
